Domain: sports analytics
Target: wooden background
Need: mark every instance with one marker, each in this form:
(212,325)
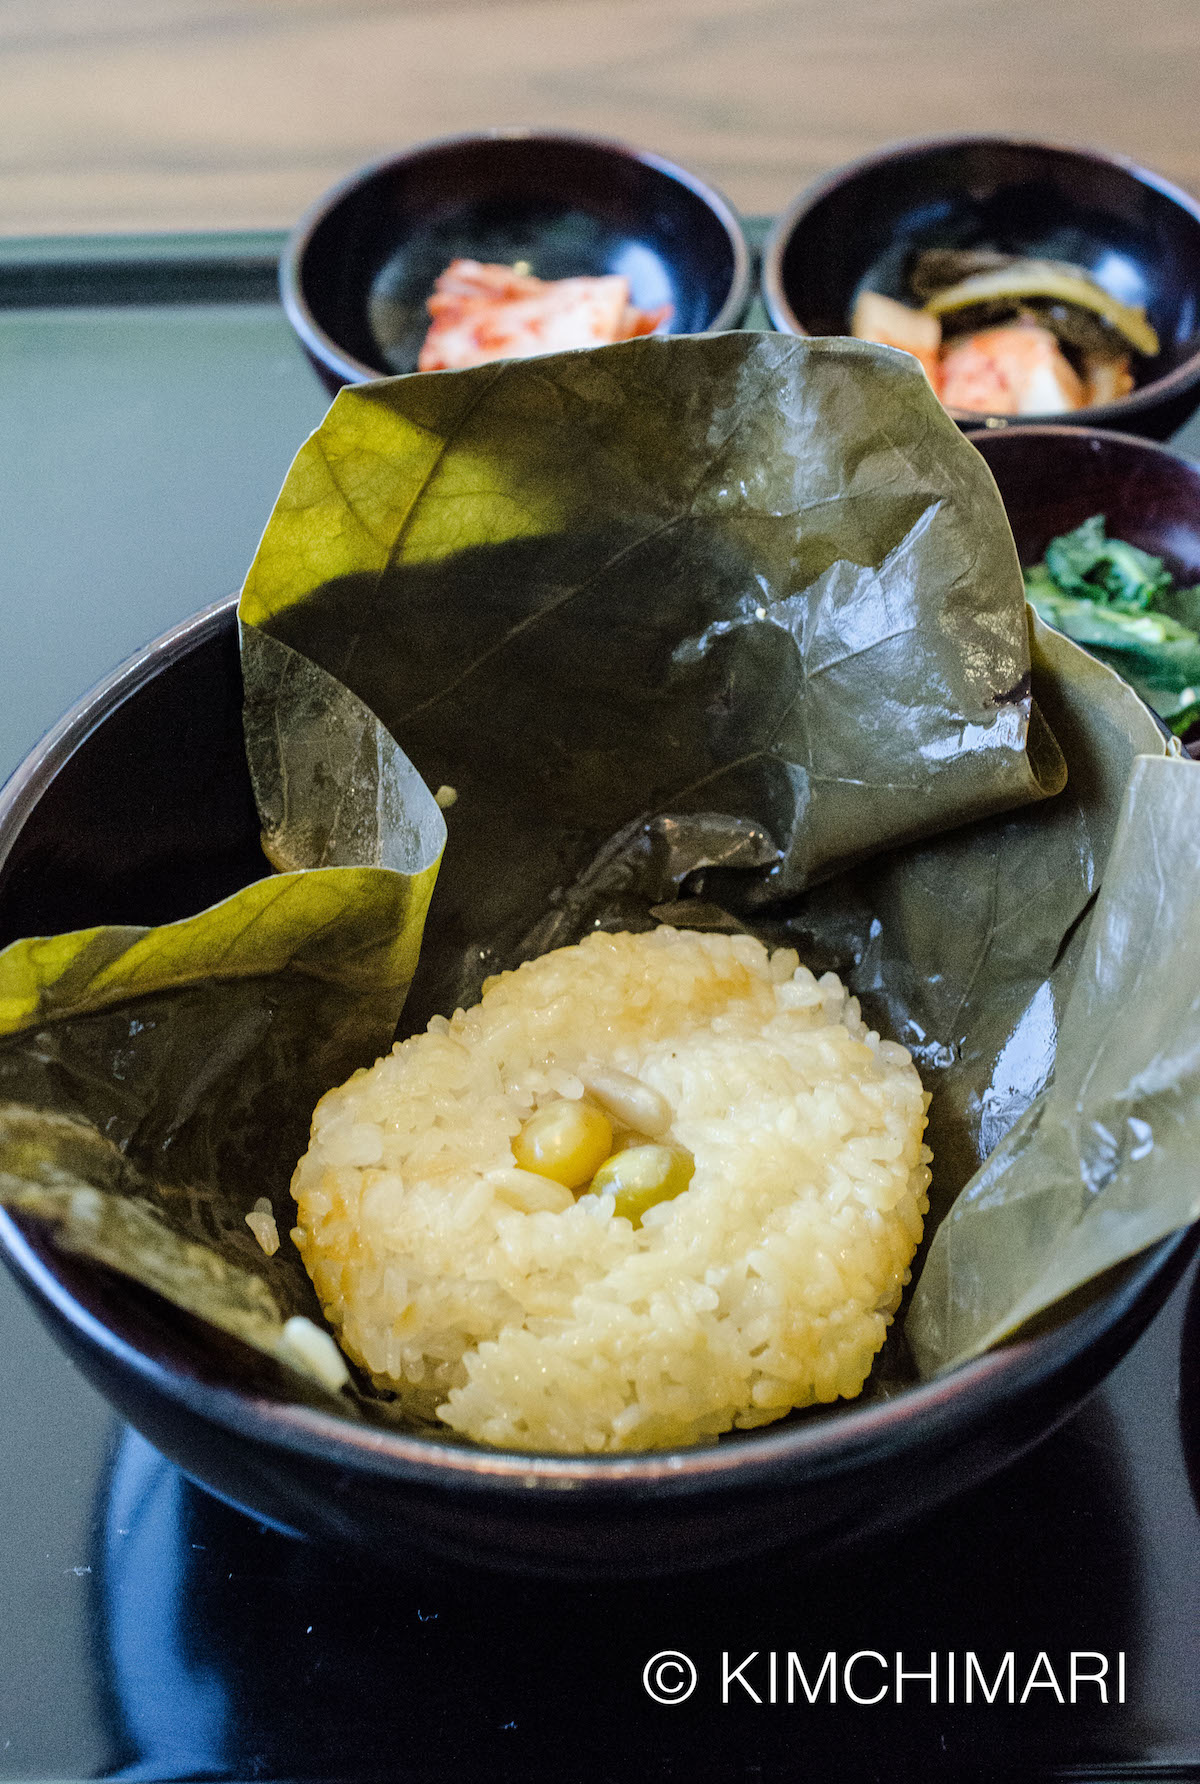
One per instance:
(189,114)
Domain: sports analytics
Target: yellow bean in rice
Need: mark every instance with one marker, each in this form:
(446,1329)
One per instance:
(542,1320)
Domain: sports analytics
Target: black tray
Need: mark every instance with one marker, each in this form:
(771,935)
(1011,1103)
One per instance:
(148,1632)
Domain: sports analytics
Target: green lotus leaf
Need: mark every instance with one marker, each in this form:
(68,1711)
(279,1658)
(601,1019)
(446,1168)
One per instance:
(727,630)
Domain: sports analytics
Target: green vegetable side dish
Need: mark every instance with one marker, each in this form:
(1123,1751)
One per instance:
(1115,599)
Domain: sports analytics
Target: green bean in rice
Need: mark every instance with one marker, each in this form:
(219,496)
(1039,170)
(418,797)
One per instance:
(527,1314)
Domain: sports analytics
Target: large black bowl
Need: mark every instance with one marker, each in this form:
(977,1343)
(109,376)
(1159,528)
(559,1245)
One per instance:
(359,267)
(138,808)
(1139,235)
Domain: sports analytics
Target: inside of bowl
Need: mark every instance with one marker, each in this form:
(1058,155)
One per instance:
(562,208)
(135,830)
(1023,199)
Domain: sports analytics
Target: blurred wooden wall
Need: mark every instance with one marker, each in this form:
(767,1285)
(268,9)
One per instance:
(182,114)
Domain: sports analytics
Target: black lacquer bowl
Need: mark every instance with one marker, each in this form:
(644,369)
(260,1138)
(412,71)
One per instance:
(1052,478)
(1135,232)
(357,270)
(138,808)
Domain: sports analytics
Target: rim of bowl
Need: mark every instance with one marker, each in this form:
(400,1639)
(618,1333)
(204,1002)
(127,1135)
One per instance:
(784,318)
(968,1393)
(356,371)
(1061,430)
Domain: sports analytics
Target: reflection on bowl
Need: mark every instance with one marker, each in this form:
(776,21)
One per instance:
(113,819)
(359,267)
(1136,234)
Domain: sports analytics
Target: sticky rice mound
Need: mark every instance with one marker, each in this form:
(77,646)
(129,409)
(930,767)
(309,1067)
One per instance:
(768,1284)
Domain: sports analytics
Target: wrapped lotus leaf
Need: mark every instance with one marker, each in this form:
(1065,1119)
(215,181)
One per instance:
(745,576)
(1102,1164)
(727,630)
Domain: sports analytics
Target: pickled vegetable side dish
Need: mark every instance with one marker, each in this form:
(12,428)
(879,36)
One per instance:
(481,313)
(1001,335)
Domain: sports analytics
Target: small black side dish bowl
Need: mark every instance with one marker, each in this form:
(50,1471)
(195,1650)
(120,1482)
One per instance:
(357,270)
(1052,478)
(137,808)
(1137,234)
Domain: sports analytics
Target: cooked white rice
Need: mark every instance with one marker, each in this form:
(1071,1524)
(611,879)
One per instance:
(768,1284)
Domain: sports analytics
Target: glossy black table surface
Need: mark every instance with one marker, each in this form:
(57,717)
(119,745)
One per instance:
(152,399)
(147,1631)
